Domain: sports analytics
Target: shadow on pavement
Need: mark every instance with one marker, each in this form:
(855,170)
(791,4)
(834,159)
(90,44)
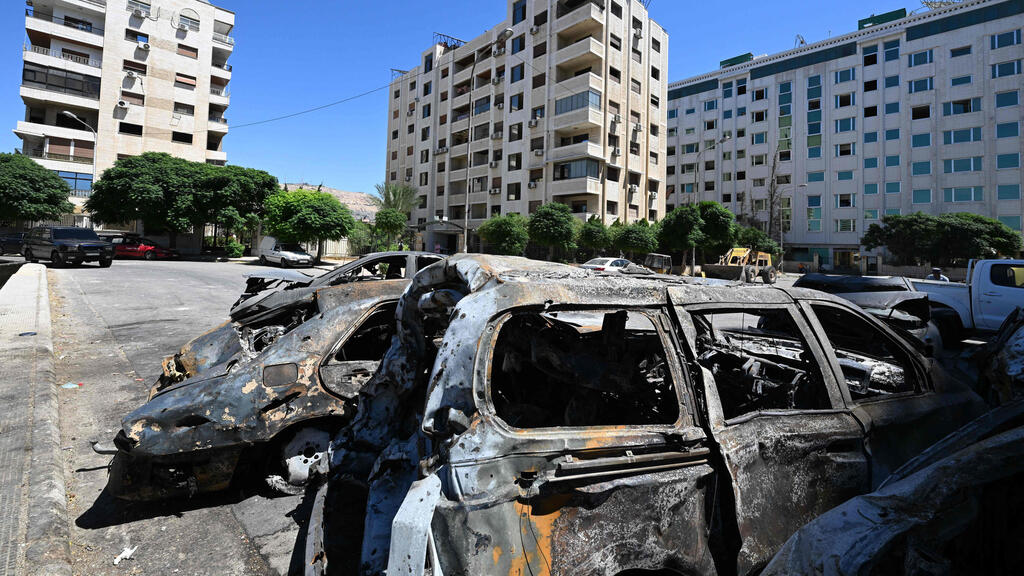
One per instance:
(109,511)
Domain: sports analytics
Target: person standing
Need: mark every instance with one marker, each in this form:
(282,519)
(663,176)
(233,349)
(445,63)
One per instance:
(937,275)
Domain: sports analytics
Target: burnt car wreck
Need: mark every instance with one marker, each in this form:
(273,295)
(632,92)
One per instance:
(537,418)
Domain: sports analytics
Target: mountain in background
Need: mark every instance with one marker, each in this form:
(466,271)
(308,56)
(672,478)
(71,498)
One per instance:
(359,203)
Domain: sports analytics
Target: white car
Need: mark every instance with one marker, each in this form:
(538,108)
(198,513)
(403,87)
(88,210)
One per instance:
(284,253)
(606,264)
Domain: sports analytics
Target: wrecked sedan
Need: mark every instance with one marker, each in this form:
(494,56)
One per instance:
(270,411)
(578,422)
(276,301)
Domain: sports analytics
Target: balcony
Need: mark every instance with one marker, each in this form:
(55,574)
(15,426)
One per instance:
(581,83)
(38,153)
(586,18)
(579,150)
(224,39)
(217,124)
(37,130)
(60,96)
(222,70)
(574,186)
(220,95)
(62,27)
(584,216)
(56,59)
(586,52)
(581,119)
(217,155)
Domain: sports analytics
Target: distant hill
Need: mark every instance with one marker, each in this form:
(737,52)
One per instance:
(360,203)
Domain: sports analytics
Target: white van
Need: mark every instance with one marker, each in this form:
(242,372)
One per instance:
(284,253)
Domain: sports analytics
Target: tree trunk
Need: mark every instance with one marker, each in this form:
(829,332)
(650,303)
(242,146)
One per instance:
(319,250)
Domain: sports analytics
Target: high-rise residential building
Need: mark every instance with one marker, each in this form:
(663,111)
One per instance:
(104,79)
(909,113)
(564,101)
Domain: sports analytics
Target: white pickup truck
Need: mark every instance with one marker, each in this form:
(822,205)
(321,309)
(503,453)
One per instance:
(993,289)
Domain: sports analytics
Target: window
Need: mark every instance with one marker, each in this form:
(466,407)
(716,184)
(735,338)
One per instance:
(759,116)
(871,214)
(130,97)
(814,152)
(843,100)
(921,140)
(132,129)
(674,113)
(1009,275)
(845,75)
(892,187)
(1005,69)
(964,194)
(655,73)
(1007,161)
(135,36)
(922,196)
(184,109)
(920,112)
(758,159)
(759,94)
(965,135)
(615,41)
(954,165)
(846,149)
(727,90)
(892,160)
(184,81)
(585,168)
(965,106)
(870,111)
(892,108)
(515,132)
(517,73)
(921,85)
(576,101)
(710,124)
(188,51)
(518,44)
(181,137)
(815,176)
(874,365)
(1007,130)
(844,175)
(513,191)
(846,125)
(1005,39)
(759,138)
(920,58)
(892,134)
(515,161)
(741,86)
(870,137)
(137,67)
(892,50)
(1007,99)
(515,102)
(518,11)
(846,200)
(426,110)
(726,114)
(1008,192)
(870,55)
(962,51)
(921,168)
(710,105)
(870,163)
(870,85)
(892,81)
(961,80)
(637,88)
(870,189)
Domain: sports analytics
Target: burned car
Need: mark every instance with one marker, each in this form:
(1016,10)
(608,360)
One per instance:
(565,421)
(270,411)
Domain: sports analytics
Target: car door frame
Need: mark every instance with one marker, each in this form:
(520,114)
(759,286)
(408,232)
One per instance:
(768,453)
(987,316)
(328,356)
(900,426)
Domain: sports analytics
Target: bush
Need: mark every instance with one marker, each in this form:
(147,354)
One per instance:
(234,249)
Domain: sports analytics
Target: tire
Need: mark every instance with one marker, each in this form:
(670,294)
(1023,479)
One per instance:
(263,260)
(106,262)
(300,457)
(284,263)
(150,255)
(747,275)
(769,275)
(57,260)
(951,329)
(29,258)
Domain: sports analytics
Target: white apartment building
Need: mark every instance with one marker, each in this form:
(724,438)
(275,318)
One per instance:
(104,79)
(563,101)
(909,113)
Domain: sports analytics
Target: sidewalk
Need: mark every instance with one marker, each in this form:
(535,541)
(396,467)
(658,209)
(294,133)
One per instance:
(34,525)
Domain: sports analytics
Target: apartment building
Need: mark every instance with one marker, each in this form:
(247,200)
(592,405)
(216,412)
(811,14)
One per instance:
(907,114)
(563,101)
(104,79)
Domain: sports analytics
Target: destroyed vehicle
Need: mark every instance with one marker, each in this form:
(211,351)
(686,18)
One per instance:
(271,412)
(955,509)
(584,423)
(892,300)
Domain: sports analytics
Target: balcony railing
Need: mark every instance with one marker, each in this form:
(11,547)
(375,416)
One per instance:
(224,66)
(61,89)
(58,54)
(224,38)
(76,24)
(97,2)
(39,153)
(218,119)
(220,91)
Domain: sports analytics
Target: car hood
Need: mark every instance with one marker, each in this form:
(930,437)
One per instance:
(292,276)
(84,243)
(295,255)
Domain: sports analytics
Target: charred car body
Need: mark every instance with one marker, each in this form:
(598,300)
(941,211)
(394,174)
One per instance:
(586,423)
(272,409)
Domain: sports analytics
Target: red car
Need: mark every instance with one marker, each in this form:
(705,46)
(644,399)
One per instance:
(136,247)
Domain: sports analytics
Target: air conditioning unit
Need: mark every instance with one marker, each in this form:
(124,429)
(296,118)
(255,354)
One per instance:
(638,127)
(138,13)
(493,164)
(132,74)
(441,150)
(182,26)
(495,191)
(497,51)
(416,99)
(617,118)
(534,29)
(538,152)
(638,32)
(122,104)
(500,105)
(633,188)
(496,80)
(532,123)
(653,194)
(616,151)
(410,112)
(496,136)
(531,184)
(143,45)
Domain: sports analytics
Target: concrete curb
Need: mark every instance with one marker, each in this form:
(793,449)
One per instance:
(46,546)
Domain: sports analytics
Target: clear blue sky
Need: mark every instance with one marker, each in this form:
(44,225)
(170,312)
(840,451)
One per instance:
(291,56)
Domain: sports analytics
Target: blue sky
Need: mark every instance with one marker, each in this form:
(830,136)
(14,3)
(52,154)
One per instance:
(296,55)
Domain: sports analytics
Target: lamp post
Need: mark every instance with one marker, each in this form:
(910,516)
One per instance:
(95,142)
(697,170)
(503,36)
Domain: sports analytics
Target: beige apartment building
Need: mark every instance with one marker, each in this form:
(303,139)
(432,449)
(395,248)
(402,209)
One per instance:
(105,79)
(564,101)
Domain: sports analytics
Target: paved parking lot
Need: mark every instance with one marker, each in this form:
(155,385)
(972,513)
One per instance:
(111,329)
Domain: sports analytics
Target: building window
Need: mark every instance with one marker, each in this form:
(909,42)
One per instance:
(870,189)
(892,108)
(922,196)
(921,85)
(920,112)
(954,165)
(921,168)
(871,162)
(892,81)
(585,168)
(576,101)
(518,11)
(846,75)
(848,149)
(181,137)
(892,187)
(635,86)
(184,109)
(846,200)
(961,80)
(1005,39)
(870,137)
(1004,99)
(871,214)
(964,135)
(921,140)
(518,44)
(870,85)
(759,94)
(517,73)
(963,194)
(846,225)
(1004,161)
(870,55)
(188,51)
(892,50)
(814,213)
(1005,69)
(843,175)
(843,100)
(133,98)
(920,58)
(846,125)
(870,111)
(892,134)
(815,176)
(962,51)
(132,129)
(1008,130)
(184,81)
(1008,192)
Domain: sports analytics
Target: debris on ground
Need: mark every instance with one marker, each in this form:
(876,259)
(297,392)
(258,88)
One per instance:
(125,554)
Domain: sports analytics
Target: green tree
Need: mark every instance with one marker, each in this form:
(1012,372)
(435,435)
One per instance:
(909,238)
(757,241)
(390,223)
(360,238)
(400,197)
(594,236)
(718,228)
(637,238)
(552,226)
(506,234)
(680,230)
(961,236)
(307,216)
(30,192)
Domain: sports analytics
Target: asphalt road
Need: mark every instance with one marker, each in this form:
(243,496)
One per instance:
(111,329)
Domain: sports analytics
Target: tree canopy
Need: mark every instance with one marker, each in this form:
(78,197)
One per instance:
(507,234)
(756,240)
(637,238)
(941,240)
(718,228)
(390,222)
(552,226)
(595,236)
(307,216)
(30,192)
(400,197)
(681,228)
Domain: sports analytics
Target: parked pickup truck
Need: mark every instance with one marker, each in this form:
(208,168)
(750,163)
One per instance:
(993,289)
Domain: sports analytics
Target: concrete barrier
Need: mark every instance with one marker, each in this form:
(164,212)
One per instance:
(34,530)
(7,269)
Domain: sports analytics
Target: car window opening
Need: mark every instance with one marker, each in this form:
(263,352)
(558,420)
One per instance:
(371,341)
(760,361)
(582,368)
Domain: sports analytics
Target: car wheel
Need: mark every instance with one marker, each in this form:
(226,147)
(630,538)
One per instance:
(106,262)
(300,458)
(57,259)
(769,275)
(284,263)
(263,260)
(29,258)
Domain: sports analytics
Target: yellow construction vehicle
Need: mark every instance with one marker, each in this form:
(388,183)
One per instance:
(745,265)
(660,263)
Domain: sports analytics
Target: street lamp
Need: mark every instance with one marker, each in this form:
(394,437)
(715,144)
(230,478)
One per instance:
(503,36)
(95,142)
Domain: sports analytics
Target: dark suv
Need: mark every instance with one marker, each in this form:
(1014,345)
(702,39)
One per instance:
(66,245)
